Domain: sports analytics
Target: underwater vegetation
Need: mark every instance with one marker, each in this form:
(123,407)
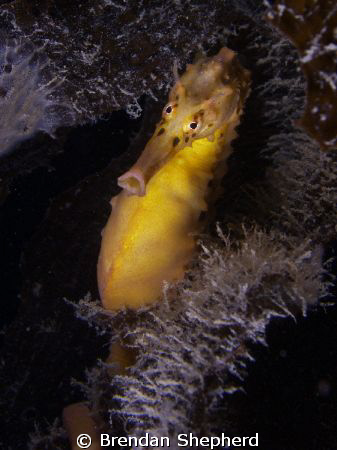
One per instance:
(26,87)
(311,26)
(193,347)
(259,261)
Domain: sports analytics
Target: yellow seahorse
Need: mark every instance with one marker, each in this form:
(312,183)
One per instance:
(149,237)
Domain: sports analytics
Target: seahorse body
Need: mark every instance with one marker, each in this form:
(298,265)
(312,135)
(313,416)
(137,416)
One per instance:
(149,237)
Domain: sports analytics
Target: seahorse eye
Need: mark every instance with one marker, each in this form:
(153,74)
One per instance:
(168,109)
(193,125)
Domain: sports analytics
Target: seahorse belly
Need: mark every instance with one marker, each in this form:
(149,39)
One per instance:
(150,239)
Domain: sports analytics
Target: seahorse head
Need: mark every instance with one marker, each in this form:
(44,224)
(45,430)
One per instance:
(206,97)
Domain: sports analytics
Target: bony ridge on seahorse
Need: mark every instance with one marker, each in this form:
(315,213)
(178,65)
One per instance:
(149,237)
